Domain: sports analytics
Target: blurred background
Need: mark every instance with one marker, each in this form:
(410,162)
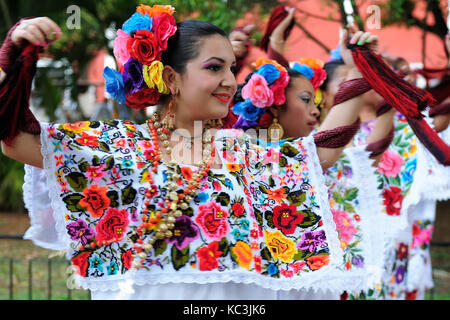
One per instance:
(69,87)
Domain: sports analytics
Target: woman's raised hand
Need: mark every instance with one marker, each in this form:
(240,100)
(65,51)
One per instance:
(40,31)
(352,36)
(277,36)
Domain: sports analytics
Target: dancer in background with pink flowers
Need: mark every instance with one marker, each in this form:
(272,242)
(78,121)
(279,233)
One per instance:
(160,210)
(353,196)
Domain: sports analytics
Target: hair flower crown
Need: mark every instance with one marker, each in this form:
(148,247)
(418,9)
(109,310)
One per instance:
(137,48)
(263,89)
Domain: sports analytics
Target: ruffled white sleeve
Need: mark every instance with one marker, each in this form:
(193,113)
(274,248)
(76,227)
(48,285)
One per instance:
(42,230)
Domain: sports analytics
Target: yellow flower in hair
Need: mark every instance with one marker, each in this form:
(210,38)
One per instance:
(318,98)
(153,77)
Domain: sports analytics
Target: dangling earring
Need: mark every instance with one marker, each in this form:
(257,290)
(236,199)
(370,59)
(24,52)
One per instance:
(169,119)
(275,131)
(214,123)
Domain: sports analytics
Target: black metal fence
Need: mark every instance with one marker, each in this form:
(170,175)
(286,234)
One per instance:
(46,278)
(37,278)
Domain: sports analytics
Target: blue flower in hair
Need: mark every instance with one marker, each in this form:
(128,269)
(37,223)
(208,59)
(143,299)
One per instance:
(269,72)
(304,69)
(138,21)
(114,84)
(248,111)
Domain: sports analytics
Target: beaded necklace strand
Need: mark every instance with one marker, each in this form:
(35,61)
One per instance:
(162,222)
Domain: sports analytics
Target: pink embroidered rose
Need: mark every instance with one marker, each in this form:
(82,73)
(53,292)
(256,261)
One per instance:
(258,92)
(344,225)
(390,164)
(212,218)
(120,47)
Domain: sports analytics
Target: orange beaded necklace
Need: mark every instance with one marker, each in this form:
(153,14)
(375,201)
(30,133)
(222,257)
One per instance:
(161,222)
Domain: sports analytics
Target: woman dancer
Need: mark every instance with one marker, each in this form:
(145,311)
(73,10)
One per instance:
(140,222)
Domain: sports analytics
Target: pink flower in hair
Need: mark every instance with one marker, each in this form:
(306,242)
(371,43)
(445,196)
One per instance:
(120,47)
(257,90)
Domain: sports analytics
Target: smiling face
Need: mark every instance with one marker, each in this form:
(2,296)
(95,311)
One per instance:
(299,116)
(207,85)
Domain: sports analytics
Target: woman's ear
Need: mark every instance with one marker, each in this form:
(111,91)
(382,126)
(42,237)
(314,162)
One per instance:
(171,79)
(275,112)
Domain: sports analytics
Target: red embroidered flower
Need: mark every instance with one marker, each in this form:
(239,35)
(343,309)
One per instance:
(187,173)
(317,262)
(95,200)
(212,218)
(393,200)
(144,47)
(81,263)
(402,251)
(411,295)
(113,226)
(286,218)
(257,260)
(237,209)
(208,257)
(127,259)
(87,140)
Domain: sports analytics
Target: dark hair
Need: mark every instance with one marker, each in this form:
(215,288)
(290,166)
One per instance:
(183,45)
(398,62)
(330,68)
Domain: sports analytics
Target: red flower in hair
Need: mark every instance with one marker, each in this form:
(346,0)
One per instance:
(143,98)
(164,26)
(266,120)
(144,47)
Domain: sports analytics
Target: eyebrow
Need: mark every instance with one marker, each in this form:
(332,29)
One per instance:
(220,59)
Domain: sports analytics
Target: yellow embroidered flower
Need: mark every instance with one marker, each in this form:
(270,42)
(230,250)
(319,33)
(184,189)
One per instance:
(153,77)
(413,149)
(233,167)
(280,246)
(147,177)
(243,254)
(77,127)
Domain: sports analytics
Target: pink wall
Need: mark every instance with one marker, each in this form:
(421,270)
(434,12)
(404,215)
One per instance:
(395,40)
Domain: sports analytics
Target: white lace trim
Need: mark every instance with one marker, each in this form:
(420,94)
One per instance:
(371,204)
(374,246)
(37,202)
(56,203)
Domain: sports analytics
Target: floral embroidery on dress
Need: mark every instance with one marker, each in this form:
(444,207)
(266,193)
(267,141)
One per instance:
(253,215)
(344,203)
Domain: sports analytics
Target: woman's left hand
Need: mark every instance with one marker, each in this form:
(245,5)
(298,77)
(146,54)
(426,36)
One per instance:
(352,36)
